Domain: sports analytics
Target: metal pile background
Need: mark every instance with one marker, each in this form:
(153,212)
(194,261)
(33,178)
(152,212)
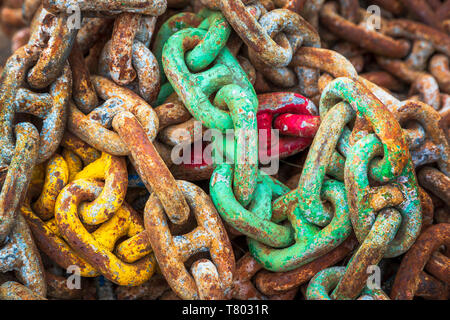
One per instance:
(96,96)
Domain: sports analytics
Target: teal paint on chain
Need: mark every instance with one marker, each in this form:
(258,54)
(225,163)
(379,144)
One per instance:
(249,223)
(385,125)
(235,93)
(317,163)
(172,25)
(311,242)
(323,283)
(169,28)
(195,89)
(321,157)
(261,204)
(304,206)
(245,139)
(218,32)
(214,41)
(362,214)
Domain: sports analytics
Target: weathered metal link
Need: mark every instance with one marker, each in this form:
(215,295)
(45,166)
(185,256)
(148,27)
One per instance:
(171,26)
(252,224)
(367,39)
(435,181)
(204,52)
(171,113)
(437,265)
(18,176)
(53,184)
(417,31)
(259,40)
(326,280)
(365,201)
(307,194)
(19,254)
(439,68)
(85,152)
(431,288)
(274,283)
(326,60)
(212,281)
(40,218)
(331,62)
(304,206)
(370,252)
(108,7)
(429,120)
(311,242)
(97,135)
(83,91)
(146,68)
(121,47)
(243,288)
(96,248)
(113,171)
(406,284)
(51,108)
(151,167)
(91,33)
(225,71)
(297,31)
(412,70)
(53,112)
(422,151)
(15,291)
(384,125)
(424,12)
(49,240)
(53,35)
(126,56)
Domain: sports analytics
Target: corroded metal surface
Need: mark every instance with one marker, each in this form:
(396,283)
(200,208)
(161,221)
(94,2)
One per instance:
(96,248)
(336,119)
(209,234)
(406,283)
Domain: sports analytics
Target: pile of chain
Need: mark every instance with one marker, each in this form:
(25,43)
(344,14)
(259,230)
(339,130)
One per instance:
(98,95)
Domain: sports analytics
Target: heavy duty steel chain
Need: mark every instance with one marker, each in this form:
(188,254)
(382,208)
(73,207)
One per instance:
(225,149)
